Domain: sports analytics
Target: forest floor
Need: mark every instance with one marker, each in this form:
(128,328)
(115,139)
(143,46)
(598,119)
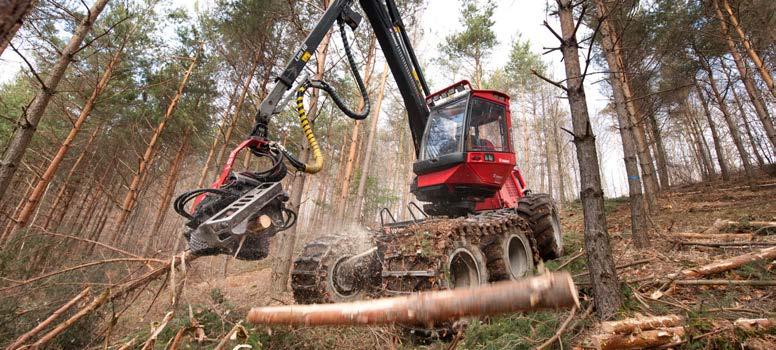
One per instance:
(218,300)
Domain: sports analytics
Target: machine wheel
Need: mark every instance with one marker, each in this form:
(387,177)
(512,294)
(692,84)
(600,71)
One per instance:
(518,255)
(312,276)
(542,216)
(466,266)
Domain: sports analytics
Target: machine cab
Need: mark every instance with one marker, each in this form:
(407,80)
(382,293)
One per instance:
(466,153)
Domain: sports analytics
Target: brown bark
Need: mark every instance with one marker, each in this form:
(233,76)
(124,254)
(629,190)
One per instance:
(638,213)
(751,89)
(606,285)
(661,161)
(554,290)
(12,14)
(169,189)
(45,323)
(132,194)
(636,325)
(714,135)
(696,135)
(730,263)
(370,145)
(722,104)
(53,167)
(28,122)
(287,239)
(339,213)
(758,62)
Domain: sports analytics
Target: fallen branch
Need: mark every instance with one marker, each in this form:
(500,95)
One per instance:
(40,230)
(149,344)
(96,303)
(718,282)
(728,244)
(41,326)
(724,237)
(571,259)
(620,267)
(559,332)
(549,291)
(237,328)
(79,267)
(728,264)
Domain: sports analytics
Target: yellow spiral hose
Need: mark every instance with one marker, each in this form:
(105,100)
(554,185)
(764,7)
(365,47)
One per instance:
(317,165)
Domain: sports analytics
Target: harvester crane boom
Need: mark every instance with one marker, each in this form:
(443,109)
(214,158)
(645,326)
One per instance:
(391,34)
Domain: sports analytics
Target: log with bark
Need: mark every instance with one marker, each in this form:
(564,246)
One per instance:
(45,323)
(550,291)
(728,264)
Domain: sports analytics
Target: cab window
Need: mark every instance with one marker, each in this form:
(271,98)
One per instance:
(444,131)
(487,127)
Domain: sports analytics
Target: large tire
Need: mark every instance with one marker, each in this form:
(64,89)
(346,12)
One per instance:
(542,216)
(313,271)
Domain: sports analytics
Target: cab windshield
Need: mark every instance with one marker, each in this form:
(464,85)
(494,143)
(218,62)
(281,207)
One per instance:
(444,131)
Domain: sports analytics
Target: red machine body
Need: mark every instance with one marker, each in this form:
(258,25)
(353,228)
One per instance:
(467,159)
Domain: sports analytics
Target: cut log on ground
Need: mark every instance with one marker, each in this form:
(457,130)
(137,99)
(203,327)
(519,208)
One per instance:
(718,282)
(755,324)
(729,264)
(728,244)
(635,325)
(718,237)
(642,340)
(550,291)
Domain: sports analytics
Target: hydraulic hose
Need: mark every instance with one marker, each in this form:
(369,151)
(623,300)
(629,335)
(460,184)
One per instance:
(317,164)
(308,133)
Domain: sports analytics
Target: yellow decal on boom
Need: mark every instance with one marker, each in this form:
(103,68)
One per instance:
(306,56)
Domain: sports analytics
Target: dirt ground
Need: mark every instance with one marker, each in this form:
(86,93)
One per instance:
(227,297)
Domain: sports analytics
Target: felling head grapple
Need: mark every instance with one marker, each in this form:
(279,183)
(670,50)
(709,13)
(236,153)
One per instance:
(241,211)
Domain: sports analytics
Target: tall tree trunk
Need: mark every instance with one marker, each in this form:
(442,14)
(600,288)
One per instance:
(639,226)
(31,116)
(216,138)
(339,213)
(723,167)
(703,148)
(53,167)
(169,189)
(660,153)
(722,104)
(758,62)
(370,145)
(606,284)
(751,89)
(559,160)
(752,143)
(237,109)
(546,138)
(132,194)
(287,239)
(12,14)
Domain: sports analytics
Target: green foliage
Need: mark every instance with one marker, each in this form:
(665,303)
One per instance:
(14,97)
(472,45)
(512,332)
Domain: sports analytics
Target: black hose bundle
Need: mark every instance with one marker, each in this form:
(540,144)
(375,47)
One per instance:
(320,84)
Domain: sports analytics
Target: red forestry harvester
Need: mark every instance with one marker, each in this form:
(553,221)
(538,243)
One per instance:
(480,223)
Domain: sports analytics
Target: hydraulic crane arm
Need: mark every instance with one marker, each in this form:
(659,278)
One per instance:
(389,29)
